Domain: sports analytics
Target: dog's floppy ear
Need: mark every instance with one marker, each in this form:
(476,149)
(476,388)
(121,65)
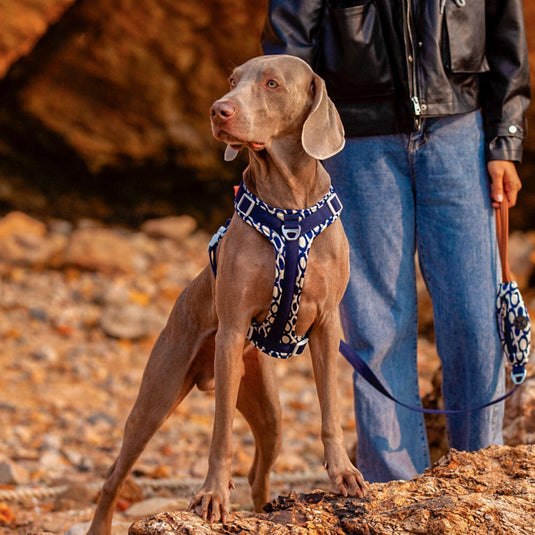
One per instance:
(230,153)
(323,132)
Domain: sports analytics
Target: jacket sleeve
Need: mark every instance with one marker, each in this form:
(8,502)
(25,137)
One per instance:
(293,27)
(505,91)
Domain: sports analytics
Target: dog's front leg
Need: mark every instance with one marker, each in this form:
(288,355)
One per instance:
(345,478)
(212,501)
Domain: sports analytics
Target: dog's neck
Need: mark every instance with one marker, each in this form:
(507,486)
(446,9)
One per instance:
(280,184)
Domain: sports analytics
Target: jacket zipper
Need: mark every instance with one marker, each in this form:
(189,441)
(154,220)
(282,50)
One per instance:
(411,62)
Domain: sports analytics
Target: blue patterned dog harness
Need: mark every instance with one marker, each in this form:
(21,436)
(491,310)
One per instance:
(291,232)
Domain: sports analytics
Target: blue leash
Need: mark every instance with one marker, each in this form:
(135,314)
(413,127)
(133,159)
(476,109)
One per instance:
(366,373)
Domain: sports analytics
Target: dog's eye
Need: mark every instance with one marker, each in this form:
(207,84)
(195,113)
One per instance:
(232,81)
(272,84)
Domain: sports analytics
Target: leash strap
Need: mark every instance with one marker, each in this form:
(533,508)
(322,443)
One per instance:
(512,315)
(366,373)
(502,235)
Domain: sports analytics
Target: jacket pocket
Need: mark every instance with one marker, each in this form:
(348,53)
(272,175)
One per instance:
(354,60)
(465,27)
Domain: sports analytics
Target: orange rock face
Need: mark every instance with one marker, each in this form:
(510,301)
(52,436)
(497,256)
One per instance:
(127,82)
(93,87)
(24,22)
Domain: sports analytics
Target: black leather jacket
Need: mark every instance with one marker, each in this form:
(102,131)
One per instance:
(387,63)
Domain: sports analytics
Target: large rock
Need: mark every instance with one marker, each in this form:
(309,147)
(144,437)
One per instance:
(23,23)
(519,421)
(126,83)
(491,491)
(26,240)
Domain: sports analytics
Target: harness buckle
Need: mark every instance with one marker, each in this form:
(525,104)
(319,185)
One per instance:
(299,346)
(334,211)
(247,197)
(217,236)
(291,229)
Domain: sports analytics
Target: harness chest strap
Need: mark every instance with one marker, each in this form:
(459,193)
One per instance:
(291,233)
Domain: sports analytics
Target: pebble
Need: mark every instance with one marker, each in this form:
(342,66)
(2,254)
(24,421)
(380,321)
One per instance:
(151,506)
(99,249)
(46,354)
(78,529)
(12,473)
(177,228)
(131,322)
(24,240)
(117,528)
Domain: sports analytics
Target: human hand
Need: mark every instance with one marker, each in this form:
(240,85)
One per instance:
(504,181)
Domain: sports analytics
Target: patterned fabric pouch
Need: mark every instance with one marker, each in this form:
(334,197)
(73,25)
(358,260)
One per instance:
(514,326)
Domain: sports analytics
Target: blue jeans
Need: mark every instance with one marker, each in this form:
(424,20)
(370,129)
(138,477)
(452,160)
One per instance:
(427,191)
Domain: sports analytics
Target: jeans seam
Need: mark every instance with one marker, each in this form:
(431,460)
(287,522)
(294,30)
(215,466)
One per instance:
(421,421)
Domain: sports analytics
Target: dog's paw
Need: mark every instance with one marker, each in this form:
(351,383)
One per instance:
(211,505)
(347,481)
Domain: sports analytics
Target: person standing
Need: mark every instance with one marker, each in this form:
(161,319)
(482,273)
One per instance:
(433,96)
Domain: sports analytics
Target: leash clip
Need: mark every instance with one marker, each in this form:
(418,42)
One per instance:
(518,374)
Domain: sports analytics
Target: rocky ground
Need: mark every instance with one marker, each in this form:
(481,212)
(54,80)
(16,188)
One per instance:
(480,493)
(80,307)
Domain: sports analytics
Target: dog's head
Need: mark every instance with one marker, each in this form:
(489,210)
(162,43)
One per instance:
(277,99)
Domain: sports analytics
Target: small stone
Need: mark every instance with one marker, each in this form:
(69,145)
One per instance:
(38,314)
(151,506)
(12,473)
(22,239)
(46,354)
(52,461)
(174,227)
(78,529)
(117,528)
(131,322)
(99,249)
(60,226)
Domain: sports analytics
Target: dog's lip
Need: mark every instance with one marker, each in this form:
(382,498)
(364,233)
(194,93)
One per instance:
(237,143)
(257,145)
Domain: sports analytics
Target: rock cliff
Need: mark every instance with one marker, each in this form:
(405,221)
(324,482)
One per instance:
(104,97)
(94,90)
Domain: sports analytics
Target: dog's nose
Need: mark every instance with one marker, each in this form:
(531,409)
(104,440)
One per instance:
(222,110)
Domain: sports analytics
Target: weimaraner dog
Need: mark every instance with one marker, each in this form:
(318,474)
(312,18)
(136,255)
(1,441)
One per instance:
(278,109)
